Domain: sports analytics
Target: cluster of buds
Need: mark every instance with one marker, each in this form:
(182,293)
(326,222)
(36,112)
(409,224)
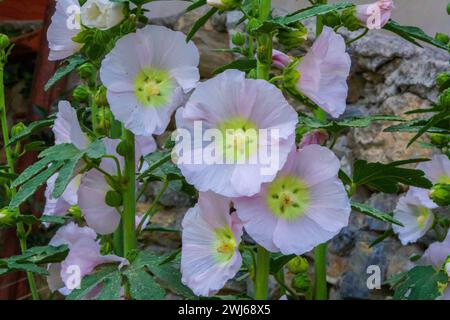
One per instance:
(301,281)
(292,37)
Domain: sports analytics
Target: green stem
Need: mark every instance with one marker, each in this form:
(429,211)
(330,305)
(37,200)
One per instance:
(94,114)
(118,240)
(320,266)
(21,234)
(264,63)
(129,197)
(148,214)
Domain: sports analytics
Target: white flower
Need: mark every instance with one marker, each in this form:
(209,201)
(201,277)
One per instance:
(102,14)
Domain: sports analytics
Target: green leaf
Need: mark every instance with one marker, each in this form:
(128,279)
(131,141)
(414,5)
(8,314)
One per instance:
(381,238)
(68,66)
(374,213)
(420,283)
(244,65)
(416,126)
(413,33)
(29,188)
(32,128)
(143,286)
(96,150)
(65,175)
(311,12)
(60,152)
(53,219)
(195,5)
(386,177)
(100,276)
(111,287)
(31,171)
(200,23)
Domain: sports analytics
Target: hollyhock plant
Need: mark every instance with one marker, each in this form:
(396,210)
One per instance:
(84,254)
(231,102)
(280,60)
(324,71)
(147,76)
(375,15)
(64,26)
(304,206)
(211,236)
(102,14)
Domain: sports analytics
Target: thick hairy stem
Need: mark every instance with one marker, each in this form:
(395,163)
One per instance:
(264,56)
(21,234)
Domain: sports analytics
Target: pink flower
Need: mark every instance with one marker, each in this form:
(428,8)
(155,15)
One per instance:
(324,71)
(314,137)
(304,206)
(64,26)
(211,236)
(165,8)
(280,60)
(238,110)
(147,76)
(84,256)
(375,15)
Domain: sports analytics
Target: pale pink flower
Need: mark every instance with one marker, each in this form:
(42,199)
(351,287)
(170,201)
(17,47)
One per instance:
(314,137)
(211,236)
(64,26)
(324,71)
(304,206)
(280,59)
(229,102)
(375,15)
(84,256)
(147,76)
(165,8)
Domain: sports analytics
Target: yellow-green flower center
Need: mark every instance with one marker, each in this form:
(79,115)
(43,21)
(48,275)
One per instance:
(288,197)
(444,179)
(240,139)
(224,244)
(153,87)
(422,218)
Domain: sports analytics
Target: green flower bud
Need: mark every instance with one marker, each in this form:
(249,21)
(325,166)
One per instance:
(81,93)
(87,71)
(349,19)
(100,97)
(294,37)
(440,194)
(104,120)
(298,265)
(224,4)
(443,80)
(238,39)
(7,217)
(440,140)
(113,199)
(444,98)
(17,129)
(123,148)
(448,8)
(75,212)
(4,41)
(301,282)
(291,76)
(332,19)
(442,37)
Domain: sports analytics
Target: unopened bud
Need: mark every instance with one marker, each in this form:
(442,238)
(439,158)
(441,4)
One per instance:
(293,37)
(442,37)
(301,282)
(75,212)
(17,129)
(81,93)
(7,217)
(440,194)
(332,19)
(439,139)
(100,97)
(238,39)
(443,80)
(113,198)
(123,148)
(444,99)
(4,41)
(87,71)
(298,265)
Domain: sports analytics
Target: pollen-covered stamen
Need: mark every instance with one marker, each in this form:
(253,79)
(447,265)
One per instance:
(224,244)
(153,87)
(288,197)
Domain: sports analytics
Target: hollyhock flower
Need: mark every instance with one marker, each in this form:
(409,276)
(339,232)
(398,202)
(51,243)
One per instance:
(64,26)
(304,206)
(211,236)
(324,71)
(147,75)
(66,130)
(437,255)
(237,109)
(84,254)
(414,211)
(314,137)
(375,15)
(280,59)
(165,8)
(102,14)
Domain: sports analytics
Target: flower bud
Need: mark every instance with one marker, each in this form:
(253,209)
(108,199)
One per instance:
(238,39)
(280,60)
(113,199)
(87,71)
(81,93)
(298,265)
(440,140)
(349,19)
(104,120)
(17,129)
(75,212)
(440,194)
(224,4)
(4,41)
(123,148)
(442,37)
(100,97)
(332,19)
(291,76)
(444,98)
(301,282)
(314,137)
(443,80)
(293,37)
(7,217)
